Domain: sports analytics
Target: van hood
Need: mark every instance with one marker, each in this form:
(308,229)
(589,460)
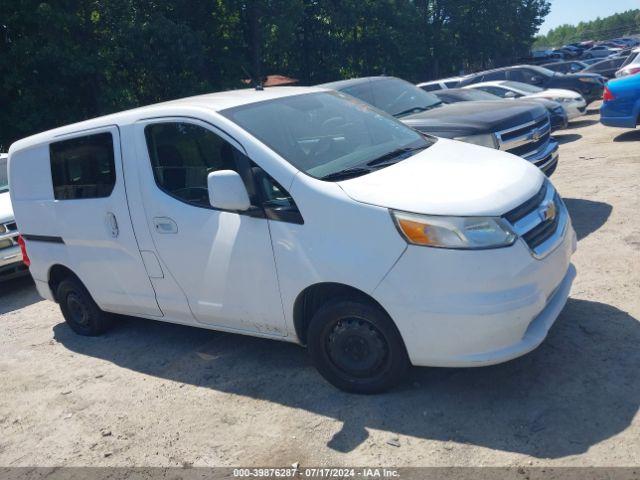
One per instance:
(473,118)
(6,211)
(450,178)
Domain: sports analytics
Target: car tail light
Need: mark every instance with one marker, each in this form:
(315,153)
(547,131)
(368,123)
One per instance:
(608,96)
(23,248)
(634,70)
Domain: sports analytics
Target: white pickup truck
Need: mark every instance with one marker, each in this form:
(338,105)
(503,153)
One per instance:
(11,264)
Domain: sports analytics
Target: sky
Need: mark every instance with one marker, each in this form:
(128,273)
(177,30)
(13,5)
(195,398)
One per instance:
(576,11)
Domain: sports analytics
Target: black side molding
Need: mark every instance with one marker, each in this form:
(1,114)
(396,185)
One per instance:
(42,238)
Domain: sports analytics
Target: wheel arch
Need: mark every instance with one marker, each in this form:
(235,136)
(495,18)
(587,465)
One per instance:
(314,296)
(58,273)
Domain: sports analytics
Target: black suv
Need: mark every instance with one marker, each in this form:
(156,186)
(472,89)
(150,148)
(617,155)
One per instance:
(520,128)
(589,85)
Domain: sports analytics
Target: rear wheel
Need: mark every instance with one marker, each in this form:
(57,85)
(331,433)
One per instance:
(79,310)
(356,347)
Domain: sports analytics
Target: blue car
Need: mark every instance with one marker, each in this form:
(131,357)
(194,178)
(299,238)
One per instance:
(621,107)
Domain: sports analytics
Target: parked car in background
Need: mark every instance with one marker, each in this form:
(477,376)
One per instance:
(444,83)
(629,42)
(387,248)
(577,47)
(600,51)
(589,85)
(521,129)
(11,264)
(607,67)
(590,61)
(566,67)
(631,65)
(621,102)
(567,52)
(557,113)
(572,102)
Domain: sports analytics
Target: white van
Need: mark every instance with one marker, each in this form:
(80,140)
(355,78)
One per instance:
(297,214)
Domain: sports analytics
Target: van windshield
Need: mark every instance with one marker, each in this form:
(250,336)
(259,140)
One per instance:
(4,178)
(329,135)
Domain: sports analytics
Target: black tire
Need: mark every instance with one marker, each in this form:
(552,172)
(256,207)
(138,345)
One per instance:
(356,347)
(80,311)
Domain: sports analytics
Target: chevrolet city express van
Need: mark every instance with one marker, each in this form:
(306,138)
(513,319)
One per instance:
(298,214)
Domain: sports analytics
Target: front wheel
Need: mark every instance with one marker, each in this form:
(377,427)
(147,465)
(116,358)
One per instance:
(356,347)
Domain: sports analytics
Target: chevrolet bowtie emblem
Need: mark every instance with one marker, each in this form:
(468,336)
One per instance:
(547,211)
(535,136)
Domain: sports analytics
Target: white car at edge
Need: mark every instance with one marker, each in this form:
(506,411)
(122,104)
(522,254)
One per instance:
(573,103)
(631,66)
(11,265)
(297,214)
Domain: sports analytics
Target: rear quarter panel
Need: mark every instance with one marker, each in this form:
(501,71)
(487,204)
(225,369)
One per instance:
(624,110)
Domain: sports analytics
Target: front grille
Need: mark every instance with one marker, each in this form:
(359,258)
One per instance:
(524,150)
(540,233)
(540,221)
(527,207)
(527,139)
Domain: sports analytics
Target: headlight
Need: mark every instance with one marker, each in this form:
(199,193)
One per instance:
(466,233)
(588,80)
(484,140)
(562,100)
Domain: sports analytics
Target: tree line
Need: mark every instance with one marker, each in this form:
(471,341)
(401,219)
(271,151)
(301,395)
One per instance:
(67,60)
(617,25)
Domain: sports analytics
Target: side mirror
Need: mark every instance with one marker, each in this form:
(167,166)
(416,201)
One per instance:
(510,95)
(227,191)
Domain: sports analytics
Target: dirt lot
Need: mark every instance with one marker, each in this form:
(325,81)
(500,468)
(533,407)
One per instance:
(157,394)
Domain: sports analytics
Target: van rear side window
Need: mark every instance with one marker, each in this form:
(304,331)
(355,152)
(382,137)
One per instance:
(83,167)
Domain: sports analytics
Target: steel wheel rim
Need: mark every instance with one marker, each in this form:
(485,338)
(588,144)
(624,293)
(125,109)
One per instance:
(357,347)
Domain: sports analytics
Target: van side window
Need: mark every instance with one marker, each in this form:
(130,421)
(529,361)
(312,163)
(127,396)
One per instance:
(278,204)
(83,167)
(182,156)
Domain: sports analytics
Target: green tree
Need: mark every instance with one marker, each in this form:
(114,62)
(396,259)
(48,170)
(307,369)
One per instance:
(68,60)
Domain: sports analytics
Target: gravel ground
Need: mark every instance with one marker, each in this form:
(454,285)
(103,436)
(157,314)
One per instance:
(153,394)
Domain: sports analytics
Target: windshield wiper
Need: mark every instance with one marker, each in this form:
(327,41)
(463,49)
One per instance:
(417,110)
(347,173)
(395,156)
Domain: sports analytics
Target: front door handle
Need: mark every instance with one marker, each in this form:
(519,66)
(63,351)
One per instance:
(165,225)
(112,225)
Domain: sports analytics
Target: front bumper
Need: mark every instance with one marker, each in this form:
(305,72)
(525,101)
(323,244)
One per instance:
(475,308)
(546,158)
(576,109)
(11,265)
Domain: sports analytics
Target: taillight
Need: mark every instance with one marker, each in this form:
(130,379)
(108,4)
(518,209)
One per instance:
(608,96)
(23,249)
(634,70)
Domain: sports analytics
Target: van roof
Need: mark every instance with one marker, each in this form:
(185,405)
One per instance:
(214,101)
